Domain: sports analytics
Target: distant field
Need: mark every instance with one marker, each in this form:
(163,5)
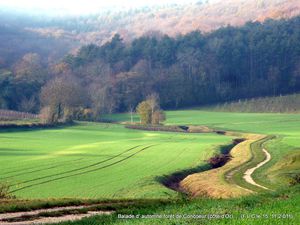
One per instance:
(278,104)
(92,160)
(19,122)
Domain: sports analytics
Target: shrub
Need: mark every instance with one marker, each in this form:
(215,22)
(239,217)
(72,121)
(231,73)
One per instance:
(219,160)
(4,191)
(295,180)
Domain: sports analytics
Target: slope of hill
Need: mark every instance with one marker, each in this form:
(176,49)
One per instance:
(15,42)
(68,33)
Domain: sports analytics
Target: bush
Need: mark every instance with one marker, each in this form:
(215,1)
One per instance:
(295,180)
(4,191)
(219,160)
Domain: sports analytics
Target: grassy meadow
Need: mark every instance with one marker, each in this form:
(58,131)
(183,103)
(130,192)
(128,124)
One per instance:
(92,160)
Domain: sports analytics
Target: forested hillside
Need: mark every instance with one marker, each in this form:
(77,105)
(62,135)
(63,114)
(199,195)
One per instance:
(230,63)
(257,59)
(171,19)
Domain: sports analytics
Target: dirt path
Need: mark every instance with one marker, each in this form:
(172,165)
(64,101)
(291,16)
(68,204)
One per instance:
(20,217)
(248,174)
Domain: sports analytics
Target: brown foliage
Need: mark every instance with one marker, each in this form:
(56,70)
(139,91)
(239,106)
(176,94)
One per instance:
(158,117)
(149,110)
(144,110)
(61,97)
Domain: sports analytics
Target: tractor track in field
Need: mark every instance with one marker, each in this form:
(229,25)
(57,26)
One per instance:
(85,172)
(41,166)
(39,170)
(80,168)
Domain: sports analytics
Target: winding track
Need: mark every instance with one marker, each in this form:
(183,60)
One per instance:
(248,174)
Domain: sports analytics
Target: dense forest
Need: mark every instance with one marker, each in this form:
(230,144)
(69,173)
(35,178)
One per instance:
(257,59)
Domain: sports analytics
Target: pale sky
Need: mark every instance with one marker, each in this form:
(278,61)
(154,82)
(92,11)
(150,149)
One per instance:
(80,6)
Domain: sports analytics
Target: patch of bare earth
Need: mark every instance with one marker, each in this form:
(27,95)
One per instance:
(248,174)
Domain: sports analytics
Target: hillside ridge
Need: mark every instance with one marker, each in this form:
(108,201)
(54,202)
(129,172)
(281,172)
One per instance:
(172,19)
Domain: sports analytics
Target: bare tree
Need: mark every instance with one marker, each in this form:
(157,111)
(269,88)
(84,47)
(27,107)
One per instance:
(131,111)
(153,101)
(63,95)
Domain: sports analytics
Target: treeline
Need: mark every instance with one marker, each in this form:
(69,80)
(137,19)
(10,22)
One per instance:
(228,64)
(194,69)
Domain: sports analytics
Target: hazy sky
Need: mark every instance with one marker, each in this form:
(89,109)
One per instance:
(80,6)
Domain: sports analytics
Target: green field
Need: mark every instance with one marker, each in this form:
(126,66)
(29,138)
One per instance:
(91,160)
(98,160)
(276,104)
